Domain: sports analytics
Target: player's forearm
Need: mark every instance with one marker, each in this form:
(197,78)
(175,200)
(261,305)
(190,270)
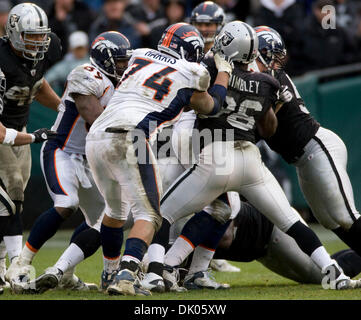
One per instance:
(13,137)
(47,96)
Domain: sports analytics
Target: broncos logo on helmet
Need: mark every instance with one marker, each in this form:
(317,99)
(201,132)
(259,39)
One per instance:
(182,41)
(107,49)
(271,46)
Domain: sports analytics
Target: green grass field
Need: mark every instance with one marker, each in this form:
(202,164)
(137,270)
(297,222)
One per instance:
(254,282)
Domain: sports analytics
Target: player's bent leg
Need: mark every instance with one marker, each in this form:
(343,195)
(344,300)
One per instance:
(285,258)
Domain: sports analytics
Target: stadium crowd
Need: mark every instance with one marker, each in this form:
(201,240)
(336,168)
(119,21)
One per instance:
(143,22)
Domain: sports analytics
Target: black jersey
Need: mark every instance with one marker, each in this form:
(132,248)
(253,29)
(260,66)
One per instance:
(295,124)
(23,80)
(252,236)
(249,96)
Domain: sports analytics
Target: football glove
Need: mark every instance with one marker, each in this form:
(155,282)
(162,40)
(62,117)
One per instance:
(223,63)
(285,95)
(43,134)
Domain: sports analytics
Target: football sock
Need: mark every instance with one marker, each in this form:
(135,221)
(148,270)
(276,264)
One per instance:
(70,258)
(198,227)
(111,241)
(81,227)
(321,257)
(305,238)
(178,252)
(135,249)
(201,258)
(204,253)
(88,241)
(13,243)
(351,237)
(45,226)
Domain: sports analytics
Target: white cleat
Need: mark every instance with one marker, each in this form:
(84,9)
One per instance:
(153,282)
(3,283)
(203,280)
(19,275)
(335,278)
(171,279)
(223,266)
(72,282)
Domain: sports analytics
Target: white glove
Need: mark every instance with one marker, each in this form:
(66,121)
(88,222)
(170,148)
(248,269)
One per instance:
(223,64)
(285,94)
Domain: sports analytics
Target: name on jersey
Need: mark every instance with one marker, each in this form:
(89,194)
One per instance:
(238,83)
(156,55)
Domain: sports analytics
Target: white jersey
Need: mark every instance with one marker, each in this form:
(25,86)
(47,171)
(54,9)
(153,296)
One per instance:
(152,93)
(71,127)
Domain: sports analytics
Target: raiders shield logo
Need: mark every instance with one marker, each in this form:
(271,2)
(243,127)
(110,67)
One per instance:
(33,72)
(13,20)
(227,38)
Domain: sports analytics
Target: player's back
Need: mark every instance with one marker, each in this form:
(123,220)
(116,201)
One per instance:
(249,96)
(152,92)
(85,79)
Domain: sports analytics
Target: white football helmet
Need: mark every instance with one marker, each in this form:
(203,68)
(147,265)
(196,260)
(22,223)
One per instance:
(238,41)
(28,19)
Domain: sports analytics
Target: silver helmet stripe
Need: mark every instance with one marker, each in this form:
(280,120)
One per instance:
(251,43)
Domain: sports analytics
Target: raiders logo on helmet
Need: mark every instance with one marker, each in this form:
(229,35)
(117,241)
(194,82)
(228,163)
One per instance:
(13,20)
(227,38)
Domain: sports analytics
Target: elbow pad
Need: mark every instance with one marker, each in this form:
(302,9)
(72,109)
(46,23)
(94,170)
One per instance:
(218,94)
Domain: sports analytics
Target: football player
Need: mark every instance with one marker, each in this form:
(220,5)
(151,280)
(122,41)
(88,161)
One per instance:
(152,94)
(26,52)
(251,236)
(233,162)
(208,18)
(69,180)
(319,155)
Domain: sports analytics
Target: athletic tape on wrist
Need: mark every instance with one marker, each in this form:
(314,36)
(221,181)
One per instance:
(10,137)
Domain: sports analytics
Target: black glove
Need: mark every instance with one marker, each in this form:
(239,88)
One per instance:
(43,134)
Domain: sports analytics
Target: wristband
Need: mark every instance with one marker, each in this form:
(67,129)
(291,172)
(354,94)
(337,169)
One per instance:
(32,137)
(218,94)
(10,137)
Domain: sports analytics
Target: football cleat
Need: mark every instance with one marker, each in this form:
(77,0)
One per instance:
(72,282)
(223,266)
(3,283)
(171,279)
(125,283)
(50,279)
(106,279)
(337,280)
(203,280)
(153,282)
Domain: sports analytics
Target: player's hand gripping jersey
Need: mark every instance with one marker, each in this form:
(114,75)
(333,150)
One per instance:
(152,92)
(71,127)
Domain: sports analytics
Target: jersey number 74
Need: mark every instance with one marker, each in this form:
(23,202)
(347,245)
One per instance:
(162,88)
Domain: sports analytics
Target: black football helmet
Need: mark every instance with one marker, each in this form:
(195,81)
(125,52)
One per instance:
(182,41)
(108,48)
(271,46)
(208,12)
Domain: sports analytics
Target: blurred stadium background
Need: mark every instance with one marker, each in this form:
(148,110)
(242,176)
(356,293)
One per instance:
(324,63)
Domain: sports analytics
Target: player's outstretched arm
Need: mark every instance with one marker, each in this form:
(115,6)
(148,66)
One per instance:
(12,137)
(88,107)
(47,96)
(210,103)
